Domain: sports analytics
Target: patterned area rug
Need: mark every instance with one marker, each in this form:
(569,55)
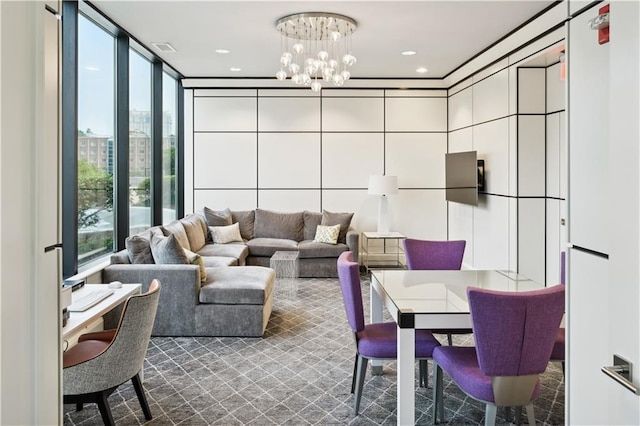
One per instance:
(299,373)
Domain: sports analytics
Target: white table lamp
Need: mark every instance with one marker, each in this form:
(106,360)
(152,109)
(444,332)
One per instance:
(383,185)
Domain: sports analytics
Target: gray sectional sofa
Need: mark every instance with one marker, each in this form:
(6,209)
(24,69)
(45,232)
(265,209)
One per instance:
(228,288)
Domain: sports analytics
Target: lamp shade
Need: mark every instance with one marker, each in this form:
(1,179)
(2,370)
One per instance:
(383,185)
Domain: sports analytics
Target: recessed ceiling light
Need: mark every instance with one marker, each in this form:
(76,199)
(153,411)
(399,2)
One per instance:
(422,70)
(222,51)
(163,46)
(235,69)
(409,52)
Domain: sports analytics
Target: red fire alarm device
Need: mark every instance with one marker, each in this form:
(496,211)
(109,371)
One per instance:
(603,28)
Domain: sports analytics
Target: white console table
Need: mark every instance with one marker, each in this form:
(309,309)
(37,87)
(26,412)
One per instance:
(80,322)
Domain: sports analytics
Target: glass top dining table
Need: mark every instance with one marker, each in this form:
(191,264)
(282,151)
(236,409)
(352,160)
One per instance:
(429,300)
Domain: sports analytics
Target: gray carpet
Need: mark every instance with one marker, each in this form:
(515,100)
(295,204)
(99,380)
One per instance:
(299,373)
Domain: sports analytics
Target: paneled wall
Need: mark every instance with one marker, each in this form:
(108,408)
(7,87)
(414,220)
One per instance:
(293,149)
(513,115)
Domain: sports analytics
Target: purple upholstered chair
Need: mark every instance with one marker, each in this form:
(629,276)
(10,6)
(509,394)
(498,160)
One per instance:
(558,352)
(436,255)
(373,341)
(514,334)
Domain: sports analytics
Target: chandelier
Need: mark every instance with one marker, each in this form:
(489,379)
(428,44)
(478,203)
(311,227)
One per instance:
(320,48)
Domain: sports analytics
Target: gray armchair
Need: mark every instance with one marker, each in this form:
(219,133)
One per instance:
(102,361)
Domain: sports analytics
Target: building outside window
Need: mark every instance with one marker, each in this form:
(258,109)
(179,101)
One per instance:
(96,106)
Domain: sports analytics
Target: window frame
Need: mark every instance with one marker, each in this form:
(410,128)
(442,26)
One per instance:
(69,107)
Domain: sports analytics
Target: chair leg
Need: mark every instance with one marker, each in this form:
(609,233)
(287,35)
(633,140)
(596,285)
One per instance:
(355,370)
(438,403)
(563,375)
(423,373)
(361,371)
(490,415)
(450,339)
(137,385)
(531,417)
(105,410)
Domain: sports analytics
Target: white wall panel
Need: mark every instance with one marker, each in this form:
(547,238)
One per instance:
(460,109)
(461,140)
(491,98)
(564,162)
(289,114)
(461,228)
(553,155)
(289,160)
(237,199)
(225,160)
(460,86)
(417,159)
(363,206)
(349,158)
(342,93)
(287,93)
(553,242)
(513,234)
(490,70)
(408,93)
(513,89)
(531,90)
(225,114)
(352,114)
(531,238)
(491,233)
(555,89)
(531,155)
(416,114)
(225,93)
(289,200)
(419,213)
(491,140)
(513,156)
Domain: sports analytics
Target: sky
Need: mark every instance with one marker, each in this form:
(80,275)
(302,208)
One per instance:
(96,80)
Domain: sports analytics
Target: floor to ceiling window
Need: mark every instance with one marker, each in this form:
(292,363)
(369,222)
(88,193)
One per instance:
(169,143)
(139,142)
(120,109)
(96,129)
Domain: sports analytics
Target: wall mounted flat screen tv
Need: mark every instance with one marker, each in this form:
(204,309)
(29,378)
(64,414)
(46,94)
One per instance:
(464,177)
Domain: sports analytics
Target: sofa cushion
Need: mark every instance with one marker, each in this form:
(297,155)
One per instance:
(310,250)
(246,219)
(268,246)
(167,250)
(196,229)
(138,247)
(215,261)
(226,234)
(342,219)
(238,251)
(176,228)
(270,224)
(196,259)
(217,218)
(246,285)
(327,234)
(311,222)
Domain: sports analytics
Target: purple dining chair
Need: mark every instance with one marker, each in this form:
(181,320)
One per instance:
(436,255)
(514,334)
(558,352)
(373,341)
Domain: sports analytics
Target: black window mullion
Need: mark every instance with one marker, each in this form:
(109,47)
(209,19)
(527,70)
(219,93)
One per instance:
(180,152)
(121,187)
(69,105)
(156,143)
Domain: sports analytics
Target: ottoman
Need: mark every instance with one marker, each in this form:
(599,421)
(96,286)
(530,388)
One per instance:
(235,301)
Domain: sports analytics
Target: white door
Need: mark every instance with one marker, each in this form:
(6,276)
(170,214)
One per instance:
(604,215)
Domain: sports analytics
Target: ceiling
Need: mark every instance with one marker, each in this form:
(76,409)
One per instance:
(444,34)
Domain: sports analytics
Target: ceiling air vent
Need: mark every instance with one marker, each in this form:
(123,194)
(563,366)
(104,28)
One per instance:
(163,47)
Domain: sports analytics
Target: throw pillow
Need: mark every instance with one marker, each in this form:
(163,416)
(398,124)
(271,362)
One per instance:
(342,219)
(226,234)
(246,219)
(167,250)
(327,234)
(139,250)
(217,218)
(196,259)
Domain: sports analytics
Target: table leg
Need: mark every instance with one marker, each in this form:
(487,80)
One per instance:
(406,376)
(375,309)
